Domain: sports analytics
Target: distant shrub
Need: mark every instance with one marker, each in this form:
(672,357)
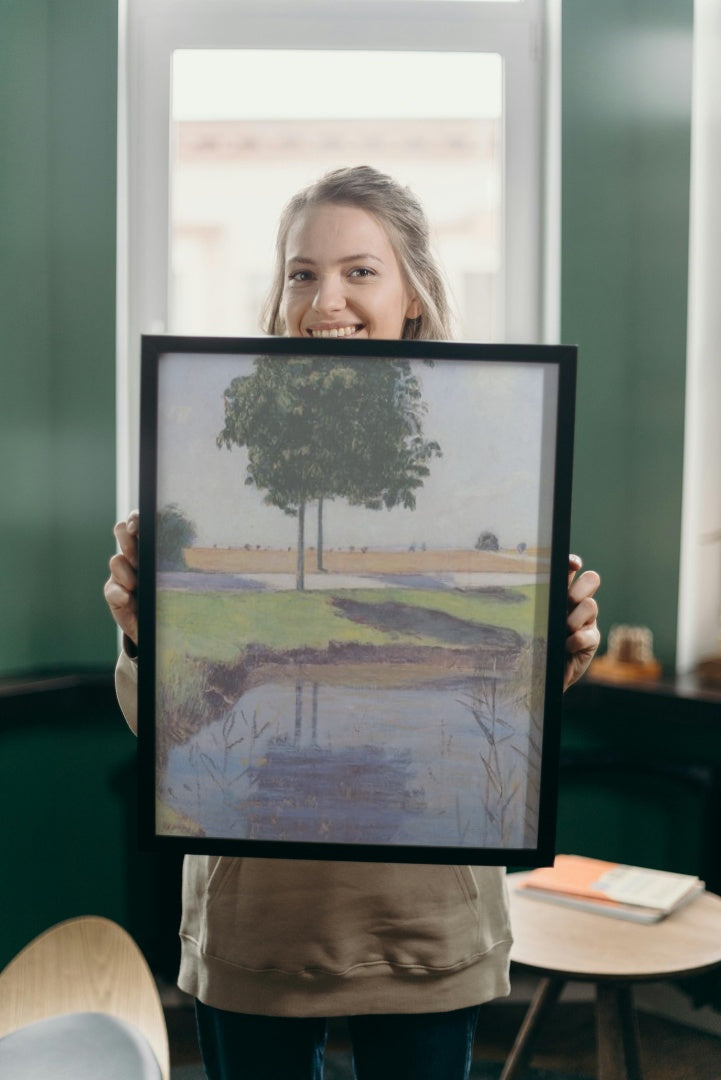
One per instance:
(174,531)
(487,541)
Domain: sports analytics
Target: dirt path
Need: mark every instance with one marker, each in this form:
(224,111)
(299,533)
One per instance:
(426,623)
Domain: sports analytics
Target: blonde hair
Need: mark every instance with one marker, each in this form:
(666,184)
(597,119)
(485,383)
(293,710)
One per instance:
(403,217)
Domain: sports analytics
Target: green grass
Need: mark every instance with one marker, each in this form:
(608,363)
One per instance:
(218,626)
(170,822)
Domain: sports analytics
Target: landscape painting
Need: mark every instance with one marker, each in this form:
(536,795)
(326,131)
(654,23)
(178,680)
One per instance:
(346,585)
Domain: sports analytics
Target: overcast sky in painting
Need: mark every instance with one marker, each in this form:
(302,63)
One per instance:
(491,420)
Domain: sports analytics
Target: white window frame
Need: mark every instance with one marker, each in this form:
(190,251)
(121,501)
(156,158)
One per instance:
(699,597)
(526,34)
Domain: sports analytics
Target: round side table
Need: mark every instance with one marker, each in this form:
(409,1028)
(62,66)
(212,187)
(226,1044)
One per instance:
(563,944)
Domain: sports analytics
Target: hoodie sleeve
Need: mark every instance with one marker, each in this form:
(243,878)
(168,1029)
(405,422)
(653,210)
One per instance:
(126,688)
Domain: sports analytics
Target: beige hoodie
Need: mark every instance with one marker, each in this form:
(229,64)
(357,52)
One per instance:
(284,937)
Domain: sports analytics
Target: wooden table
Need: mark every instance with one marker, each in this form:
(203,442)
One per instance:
(562,944)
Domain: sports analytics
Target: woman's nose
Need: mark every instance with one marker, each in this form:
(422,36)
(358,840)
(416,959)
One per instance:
(329,294)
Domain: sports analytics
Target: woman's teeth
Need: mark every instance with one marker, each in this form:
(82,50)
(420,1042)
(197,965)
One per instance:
(337,331)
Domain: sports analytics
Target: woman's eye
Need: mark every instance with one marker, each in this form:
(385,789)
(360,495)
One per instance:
(362,272)
(300,276)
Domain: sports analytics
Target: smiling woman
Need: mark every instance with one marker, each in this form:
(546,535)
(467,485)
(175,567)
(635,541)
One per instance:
(353,259)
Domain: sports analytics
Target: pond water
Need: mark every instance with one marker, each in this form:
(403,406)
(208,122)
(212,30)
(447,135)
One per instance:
(439,764)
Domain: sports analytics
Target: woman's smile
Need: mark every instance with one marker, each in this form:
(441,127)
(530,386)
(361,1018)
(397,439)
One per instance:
(335,331)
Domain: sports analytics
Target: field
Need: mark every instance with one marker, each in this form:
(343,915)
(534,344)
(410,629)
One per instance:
(369,561)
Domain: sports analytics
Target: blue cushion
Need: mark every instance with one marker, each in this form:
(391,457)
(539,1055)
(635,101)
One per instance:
(78,1046)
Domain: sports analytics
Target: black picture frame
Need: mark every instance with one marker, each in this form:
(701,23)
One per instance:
(390,692)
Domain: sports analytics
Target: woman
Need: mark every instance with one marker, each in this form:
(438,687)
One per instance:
(271,948)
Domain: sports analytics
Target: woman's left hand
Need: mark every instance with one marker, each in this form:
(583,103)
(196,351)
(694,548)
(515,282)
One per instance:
(582,634)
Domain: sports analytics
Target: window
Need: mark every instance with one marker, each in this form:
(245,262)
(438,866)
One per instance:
(699,624)
(227,107)
(235,161)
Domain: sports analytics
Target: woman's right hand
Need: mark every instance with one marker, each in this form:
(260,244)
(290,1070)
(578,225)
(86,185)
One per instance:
(121,587)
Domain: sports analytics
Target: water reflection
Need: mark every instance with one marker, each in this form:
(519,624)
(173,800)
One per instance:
(441,764)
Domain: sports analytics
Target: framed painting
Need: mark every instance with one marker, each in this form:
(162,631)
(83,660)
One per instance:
(352,597)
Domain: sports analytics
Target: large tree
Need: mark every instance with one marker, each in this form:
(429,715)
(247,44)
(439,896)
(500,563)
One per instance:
(318,428)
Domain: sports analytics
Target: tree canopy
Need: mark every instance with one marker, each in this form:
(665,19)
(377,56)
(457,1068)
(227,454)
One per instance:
(319,428)
(487,541)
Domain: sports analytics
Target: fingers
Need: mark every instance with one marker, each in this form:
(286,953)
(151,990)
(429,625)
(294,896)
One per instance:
(582,633)
(582,587)
(584,641)
(123,572)
(582,607)
(575,562)
(123,608)
(121,587)
(583,612)
(580,650)
(126,534)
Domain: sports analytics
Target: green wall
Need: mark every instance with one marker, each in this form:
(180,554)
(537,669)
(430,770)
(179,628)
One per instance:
(67,761)
(58,72)
(625,201)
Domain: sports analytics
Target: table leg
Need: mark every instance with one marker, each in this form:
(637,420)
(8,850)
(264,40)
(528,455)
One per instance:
(617,1033)
(545,997)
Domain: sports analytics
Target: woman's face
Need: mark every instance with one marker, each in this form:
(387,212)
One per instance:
(342,277)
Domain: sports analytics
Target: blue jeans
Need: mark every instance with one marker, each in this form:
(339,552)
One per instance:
(417,1046)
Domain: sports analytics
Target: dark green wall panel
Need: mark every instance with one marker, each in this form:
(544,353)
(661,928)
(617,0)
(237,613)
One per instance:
(64,790)
(626,147)
(69,798)
(58,80)
(26,399)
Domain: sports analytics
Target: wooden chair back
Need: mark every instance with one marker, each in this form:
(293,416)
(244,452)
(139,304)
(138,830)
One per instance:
(87,964)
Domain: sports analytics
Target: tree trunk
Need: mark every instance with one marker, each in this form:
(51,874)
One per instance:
(298,711)
(319,550)
(300,564)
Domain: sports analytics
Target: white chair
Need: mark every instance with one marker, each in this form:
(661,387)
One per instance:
(80,1002)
